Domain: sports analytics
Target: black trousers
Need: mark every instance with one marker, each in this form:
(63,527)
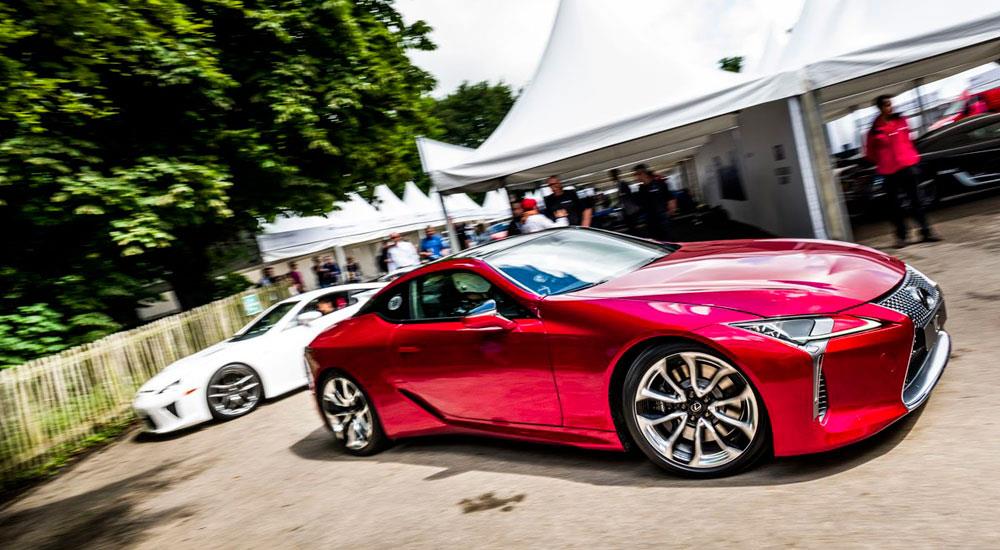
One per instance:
(905,182)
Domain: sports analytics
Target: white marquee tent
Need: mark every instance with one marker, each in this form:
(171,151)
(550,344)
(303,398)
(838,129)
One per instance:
(577,116)
(419,206)
(356,221)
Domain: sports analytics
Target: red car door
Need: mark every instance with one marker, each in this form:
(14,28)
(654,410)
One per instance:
(492,375)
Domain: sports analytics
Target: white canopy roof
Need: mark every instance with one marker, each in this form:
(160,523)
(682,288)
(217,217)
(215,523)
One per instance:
(460,206)
(357,221)
(418,205)
(766,60)
(389,205)
(496,204)
(435,155)
(576,115)
(856,49)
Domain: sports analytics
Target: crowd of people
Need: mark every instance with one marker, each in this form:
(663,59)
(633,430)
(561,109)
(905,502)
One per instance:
(326,271)
(645,207)
(398,253)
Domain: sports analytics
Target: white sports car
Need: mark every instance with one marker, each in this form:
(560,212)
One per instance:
(263,360)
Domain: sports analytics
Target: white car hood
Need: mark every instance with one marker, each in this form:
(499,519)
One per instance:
(196,365)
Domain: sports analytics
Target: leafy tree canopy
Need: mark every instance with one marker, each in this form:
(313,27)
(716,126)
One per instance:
(136,135)
(470,114)
(732,64)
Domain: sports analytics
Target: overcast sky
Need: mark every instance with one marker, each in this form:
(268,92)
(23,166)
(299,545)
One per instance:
(504,39)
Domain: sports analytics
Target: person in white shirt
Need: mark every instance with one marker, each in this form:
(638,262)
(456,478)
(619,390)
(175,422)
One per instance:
(535,221)
(401,253)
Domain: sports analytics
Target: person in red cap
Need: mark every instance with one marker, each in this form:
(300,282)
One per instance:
(534,221)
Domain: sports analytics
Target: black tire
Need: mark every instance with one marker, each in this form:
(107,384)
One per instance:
(250,399)
(375,442)
(755,447)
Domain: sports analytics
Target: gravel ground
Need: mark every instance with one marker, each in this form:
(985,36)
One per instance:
(272,479)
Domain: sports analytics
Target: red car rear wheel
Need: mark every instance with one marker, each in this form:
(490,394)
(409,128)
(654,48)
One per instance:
(350,415)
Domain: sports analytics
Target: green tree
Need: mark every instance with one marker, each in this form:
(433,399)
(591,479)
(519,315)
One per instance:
(470,114)
(136,136)
(732,64)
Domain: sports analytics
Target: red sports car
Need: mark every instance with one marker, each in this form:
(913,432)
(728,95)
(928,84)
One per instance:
(703,355)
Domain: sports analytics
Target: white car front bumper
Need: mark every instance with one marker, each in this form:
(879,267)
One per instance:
(171,410)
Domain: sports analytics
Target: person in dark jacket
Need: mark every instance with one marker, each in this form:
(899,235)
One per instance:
(563,203)
(656,201)
(890,148)
(353,270)
(630,208)
(514,227)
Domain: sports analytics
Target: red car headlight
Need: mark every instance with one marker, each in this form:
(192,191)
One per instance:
(802,330)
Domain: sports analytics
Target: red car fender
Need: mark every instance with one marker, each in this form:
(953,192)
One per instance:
(589,338)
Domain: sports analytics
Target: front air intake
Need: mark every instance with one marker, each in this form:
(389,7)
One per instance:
(820,404)
(821,399)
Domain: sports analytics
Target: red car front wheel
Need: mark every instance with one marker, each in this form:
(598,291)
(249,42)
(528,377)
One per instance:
(692,412)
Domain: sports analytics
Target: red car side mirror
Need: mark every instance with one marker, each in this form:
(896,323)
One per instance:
(487,318)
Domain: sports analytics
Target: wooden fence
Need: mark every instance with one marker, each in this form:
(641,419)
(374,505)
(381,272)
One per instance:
(54,403)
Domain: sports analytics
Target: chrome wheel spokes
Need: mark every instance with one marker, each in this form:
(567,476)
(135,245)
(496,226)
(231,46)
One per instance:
(348,412)
(696,410)
(234,390)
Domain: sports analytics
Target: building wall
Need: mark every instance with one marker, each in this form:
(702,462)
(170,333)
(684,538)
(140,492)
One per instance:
(761,156)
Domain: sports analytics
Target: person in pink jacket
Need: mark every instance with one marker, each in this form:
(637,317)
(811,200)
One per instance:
(889,147)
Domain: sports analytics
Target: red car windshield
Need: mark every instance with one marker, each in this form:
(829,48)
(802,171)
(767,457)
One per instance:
(562,261)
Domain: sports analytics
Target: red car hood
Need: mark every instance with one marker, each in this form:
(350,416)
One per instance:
(770,278)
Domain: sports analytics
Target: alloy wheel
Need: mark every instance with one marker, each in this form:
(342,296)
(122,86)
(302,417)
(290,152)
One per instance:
(348,412)
(696,410)
(234,390)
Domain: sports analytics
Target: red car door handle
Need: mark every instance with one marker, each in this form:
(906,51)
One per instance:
(408,349)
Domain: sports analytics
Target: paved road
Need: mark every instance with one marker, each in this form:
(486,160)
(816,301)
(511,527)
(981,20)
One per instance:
(272,479)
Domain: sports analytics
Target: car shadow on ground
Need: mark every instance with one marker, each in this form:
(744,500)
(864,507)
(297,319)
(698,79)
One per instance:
(455,455)
(110,516)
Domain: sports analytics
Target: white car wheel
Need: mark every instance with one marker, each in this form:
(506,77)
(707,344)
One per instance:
(234,391)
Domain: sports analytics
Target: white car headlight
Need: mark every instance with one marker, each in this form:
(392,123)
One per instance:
(173,384)
(802,330)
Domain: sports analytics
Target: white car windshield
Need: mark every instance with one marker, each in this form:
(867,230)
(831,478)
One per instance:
(266,321)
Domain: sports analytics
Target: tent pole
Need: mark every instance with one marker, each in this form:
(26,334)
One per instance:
(858,134)
(456,244)
(338,253)
(838,222)
(826,205)
(691,178)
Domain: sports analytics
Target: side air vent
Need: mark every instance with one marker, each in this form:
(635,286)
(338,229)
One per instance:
(422,404)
